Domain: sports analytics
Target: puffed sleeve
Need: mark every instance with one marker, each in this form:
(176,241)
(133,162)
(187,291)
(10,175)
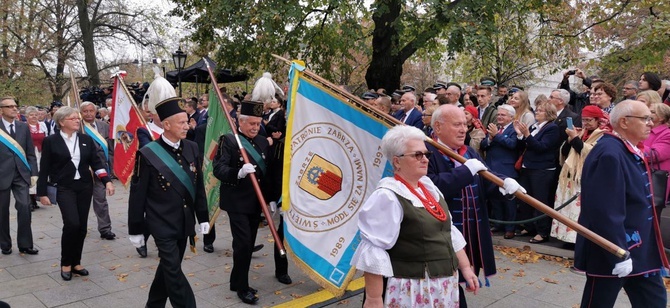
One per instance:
(457,239)
(379,224)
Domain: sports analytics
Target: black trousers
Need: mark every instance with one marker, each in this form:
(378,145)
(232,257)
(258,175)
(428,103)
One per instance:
(209,238)
(643,292)
(281,264)
(538,183)
(74,203)
(24,234)
(169,281)
(244,228)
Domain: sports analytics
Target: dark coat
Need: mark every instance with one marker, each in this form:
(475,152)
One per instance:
(10,162)
(501,152)
(489,116)
(155,206)
(240,194)
(277,123)
(56,163)
(414,118)
(541,150)
(617,205)
(469,214)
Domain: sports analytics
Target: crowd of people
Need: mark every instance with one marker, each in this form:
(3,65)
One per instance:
(549,149)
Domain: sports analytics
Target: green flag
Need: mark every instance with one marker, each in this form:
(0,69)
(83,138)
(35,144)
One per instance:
(217,125)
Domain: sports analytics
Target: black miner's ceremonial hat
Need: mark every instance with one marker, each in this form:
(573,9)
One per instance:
(251,108)
(170,107)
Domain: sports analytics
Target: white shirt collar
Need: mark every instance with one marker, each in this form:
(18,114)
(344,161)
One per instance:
(8,123)
(65,136)
(170,143)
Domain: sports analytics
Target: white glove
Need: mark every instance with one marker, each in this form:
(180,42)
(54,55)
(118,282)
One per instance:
(623,268)
(273,206)
(204,228)
(137,240)
(510,187)
(475,165)
(33,181)
(246,169)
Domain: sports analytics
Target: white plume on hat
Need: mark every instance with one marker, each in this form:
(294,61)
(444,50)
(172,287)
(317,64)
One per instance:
(159,90)
(265,89)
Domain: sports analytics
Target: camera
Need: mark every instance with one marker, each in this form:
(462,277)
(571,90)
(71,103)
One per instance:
(572,72)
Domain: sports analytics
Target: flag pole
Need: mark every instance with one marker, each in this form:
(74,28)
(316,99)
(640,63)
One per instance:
(257,188)
(390,121)
(133,104)
(77,103)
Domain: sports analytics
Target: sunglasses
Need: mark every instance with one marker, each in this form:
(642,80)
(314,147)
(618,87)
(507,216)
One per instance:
(418,155)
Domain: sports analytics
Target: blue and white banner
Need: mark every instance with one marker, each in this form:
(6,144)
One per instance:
(334,163)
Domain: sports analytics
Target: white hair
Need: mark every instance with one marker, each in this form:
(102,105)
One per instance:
(621,110)
(565,95)
(509,109)
(86,104)
(395,140)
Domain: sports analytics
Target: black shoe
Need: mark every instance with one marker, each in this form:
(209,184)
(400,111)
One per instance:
(250,289)
(142,251)
(7,251)
(285,279)
(67,276)
(542,239)
(30,251)
(257,248)
(81,272)
(248,297)
(108,235)
(208,248)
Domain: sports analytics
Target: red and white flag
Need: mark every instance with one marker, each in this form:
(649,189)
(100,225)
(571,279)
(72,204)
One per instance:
(125,121)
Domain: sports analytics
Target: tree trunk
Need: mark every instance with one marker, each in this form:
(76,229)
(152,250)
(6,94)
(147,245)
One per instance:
(386,65)
(87,42)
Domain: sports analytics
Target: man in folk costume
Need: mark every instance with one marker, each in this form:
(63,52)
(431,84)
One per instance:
(463,189)
(617,204)
(98,130)
(166,194)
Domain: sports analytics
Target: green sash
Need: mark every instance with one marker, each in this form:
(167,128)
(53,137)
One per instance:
(168,166)
(14,146)
(254,154)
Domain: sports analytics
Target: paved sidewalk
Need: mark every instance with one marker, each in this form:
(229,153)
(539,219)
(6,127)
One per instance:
(120,278)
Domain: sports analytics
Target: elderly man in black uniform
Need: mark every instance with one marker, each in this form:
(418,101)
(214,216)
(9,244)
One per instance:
(166,194)
(241,203)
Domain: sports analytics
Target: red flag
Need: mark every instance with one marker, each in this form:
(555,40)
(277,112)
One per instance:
(124,123)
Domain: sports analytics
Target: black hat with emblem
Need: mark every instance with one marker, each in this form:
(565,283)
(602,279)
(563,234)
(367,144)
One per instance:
(252,108)
(170,107)
(370,95)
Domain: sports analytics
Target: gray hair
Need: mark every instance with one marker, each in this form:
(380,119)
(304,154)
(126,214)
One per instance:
(565,95)
(395,140)
(62,113)
(633,83)
(621,110)
(31,109)
(103,109)
(86,104)
(510,110)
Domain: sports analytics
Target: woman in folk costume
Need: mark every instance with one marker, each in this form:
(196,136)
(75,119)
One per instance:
(407,234)
(579,144)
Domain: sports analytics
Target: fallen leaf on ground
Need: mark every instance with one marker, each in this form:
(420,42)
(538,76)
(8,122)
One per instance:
(549,280)
(277,292)
(121,277)
(520,273)
(114,267)
(295,295)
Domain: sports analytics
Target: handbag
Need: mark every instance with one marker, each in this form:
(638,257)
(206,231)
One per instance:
(519,162)
(659,180)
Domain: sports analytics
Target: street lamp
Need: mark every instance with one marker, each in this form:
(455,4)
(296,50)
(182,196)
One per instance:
(179,58)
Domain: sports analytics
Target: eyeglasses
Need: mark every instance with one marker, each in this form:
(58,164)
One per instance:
(10,106)
(418,155)
(73,119)
(426,115)
(646,119)
(628,88)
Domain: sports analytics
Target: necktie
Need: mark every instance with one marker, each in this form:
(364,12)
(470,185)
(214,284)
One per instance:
(500,130)
(11,131)
(404,115)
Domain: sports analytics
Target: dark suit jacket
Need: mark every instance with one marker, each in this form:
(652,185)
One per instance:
(562,123)
(155,206)
(56,163)
(414,118)
(190,135)
(240,194)
(542,149)
(501,152)
(277,123)
(10,162)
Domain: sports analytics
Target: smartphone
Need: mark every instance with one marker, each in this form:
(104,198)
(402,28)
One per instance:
(572,72)
(569,121)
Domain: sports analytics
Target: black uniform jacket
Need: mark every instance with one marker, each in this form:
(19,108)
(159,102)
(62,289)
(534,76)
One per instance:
(238,196)
(155,205)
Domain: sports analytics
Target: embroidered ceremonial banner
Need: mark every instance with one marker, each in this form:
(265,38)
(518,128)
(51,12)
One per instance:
(217,125)
(125,121)
(334,162)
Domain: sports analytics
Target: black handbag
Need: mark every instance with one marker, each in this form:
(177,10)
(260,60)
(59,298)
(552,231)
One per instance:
(659,180)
